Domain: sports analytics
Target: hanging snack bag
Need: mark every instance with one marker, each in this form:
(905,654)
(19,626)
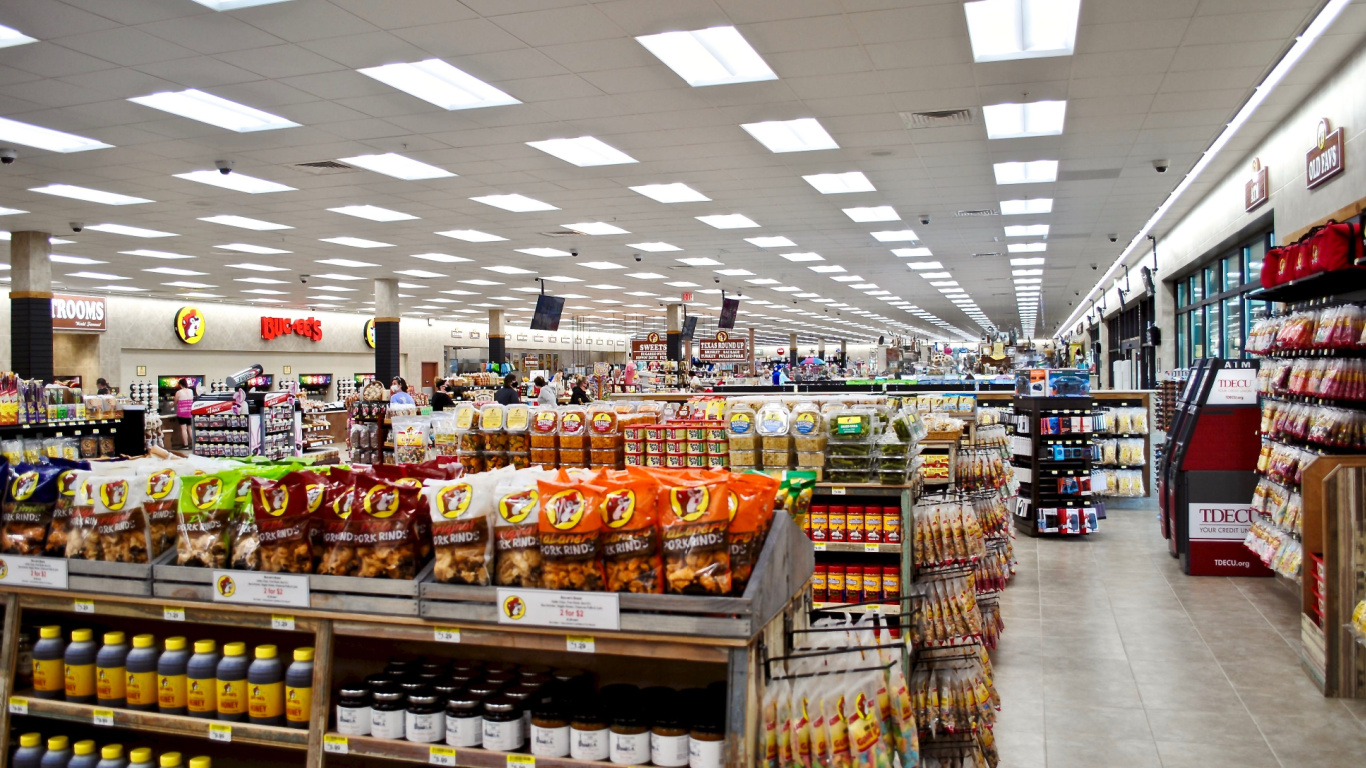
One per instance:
(337,541)
(517,516)
(695,516)
(68,483)
(120,522)
(30,495)
(630,533)
(462,519)
(409,434)
(570,529)
(750,498)
(385,534)
(161,504)
(205,508)
(283,511)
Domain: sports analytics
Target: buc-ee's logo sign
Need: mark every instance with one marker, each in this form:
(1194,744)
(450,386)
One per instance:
(189,325)
(275,327)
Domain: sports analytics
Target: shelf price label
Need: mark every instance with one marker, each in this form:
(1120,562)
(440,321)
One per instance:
(580,644)
(169,613)
(447,634)
(282,622)
(83,606)
(104,717)
(839,490)
(18,705)
(872,547)
(441,756)
(220,732)
(521,760)
(337,745)
(819,546)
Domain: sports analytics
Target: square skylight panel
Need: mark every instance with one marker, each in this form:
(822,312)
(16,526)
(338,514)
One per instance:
(1027,230)
(238,182)
(443,258)
(895,236)
(507,269)
(712,56)
(546,253)
(874,213)
(1002,30)
(840,183)
(121,229)
(771,242)
(214,110)
(397,166)
(596,228)
(439,83)
(1026,247)
(1016,121)
(671,193)
(585,151)
(348,263)
(373,213)
(88,195)
(728,221)
(13,131)
(801,135)
(515,203)
(355,242)
(245,223)
(1033,172)
(471,236)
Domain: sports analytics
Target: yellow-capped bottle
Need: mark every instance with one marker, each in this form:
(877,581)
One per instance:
(232,683)
(171,680)
(80,667)
(299,689)
(111,672)
(142,674)
(49,668)
(266,686)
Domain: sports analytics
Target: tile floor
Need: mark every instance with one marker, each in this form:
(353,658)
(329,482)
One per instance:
(1113,658)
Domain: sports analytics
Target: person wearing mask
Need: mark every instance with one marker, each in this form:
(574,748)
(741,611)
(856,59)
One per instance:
(184,398)
(398,392)
(782,376)
(441,399)
(102,387)
(507,394)
(579,394)
(546,394)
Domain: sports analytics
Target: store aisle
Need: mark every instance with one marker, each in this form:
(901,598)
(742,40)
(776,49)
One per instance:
(1112,657)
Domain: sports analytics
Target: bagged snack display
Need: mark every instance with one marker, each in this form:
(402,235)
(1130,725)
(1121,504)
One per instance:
(630,534)
(462,522)
(517,516)
(30,495)
(337,541)
(385,536)
(695,516)
(162,486)
(409,434)
(750,500)
(120,522)
(68,484)
(570,528)
(283,510)
(445,439)
(204,508)
(81,541)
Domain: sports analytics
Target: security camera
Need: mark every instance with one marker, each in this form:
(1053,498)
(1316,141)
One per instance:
(574,252)
(8,156)
(638,257)
(924,218)
(224,166)
(1094,266)
(716,279)
(303,279)
(1113,237)
(77,226)
(1161,166)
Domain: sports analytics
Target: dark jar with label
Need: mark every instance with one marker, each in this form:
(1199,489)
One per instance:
(353,711)
(549,731)
(669,739)
(464,721)
(588,734)
(387,714)
(425,722)
(502,724)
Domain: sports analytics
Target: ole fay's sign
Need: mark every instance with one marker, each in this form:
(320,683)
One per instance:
(275,327)
(78,313)
(1325,159)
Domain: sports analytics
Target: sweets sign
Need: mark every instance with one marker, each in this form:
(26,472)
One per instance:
(723,349)
(275,327)
(651,350)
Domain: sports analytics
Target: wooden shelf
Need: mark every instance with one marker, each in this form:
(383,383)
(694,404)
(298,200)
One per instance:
(856,546)
(465,757)
(152,722)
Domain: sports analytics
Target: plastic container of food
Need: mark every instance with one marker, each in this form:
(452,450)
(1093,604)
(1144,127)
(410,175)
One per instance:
(851,425)
(892,476)
(517,424)
(467,435)
(810,459)
(781,458)
(740,427)
(850,449)
(492,424)
(851,475)
(743,457)
(850,462)
(574,428)
(545,426)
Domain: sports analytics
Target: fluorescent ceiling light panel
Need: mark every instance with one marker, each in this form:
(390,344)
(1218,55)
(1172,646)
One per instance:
(601,265)
(801,135)
(156,254)
(654,247)
(596,228)
(458,292)
(585,151)
(1002,30)
(214,110)
(11,37)
(895,236)
(348,263)
(728,221)
(13,211)
(232,5)
(701,261)
(248,248)
(514,203)
(259,280)
(245,223)
(336,288)
(786,289)
(771,242)
(935,275)
(1027,206)
(337,276)
(476,281)
(1032,172)
(640,293)
(121,229)
(643,276)
(875,213)
(504,269)
(257,267)
(1017,121)
(803,257)
(1025,272)
(733,272)
(1026,247)
(373,213)
(944,283)
(471,236)
(60,259)
(907,253)
(847,279)
(712,56)
(840,183)
(671,193)
(422,273)
(88,195)
(561,279)
(13,131)
(398,166)
(1027,230)
(355,242)
(175,271)
(546,253)
(437,82)
(444,258)
(1030,262)
(826,268)
(96,276)
(762,281)
(238,182)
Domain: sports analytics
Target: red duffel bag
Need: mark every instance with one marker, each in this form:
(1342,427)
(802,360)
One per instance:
(1271,267)
(1333,246)
(1288,269)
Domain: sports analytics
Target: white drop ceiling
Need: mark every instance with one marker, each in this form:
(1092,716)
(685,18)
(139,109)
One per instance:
(1152,79)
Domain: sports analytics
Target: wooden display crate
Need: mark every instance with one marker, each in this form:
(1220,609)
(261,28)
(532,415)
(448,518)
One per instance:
(349,594)
(114,578)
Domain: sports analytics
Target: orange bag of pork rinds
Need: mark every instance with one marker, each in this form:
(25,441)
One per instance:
(750,496)
(630,533)
(570,526)
(694,514)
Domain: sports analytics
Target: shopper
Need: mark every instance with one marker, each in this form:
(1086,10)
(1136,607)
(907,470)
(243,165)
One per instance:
(695,383)
(184,398)
(547,395)
(507,394)
(398,392)
(579,394)
(102,387)
(441,399)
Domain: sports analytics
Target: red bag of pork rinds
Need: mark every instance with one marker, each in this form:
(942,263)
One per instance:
(750,499)
(630,534)
(413,475)
(385,532)
(694,514)
(335,543)
(284,520)
(570,525)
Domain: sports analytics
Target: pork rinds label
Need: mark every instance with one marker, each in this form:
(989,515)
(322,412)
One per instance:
(569,546)
(462,533)
(508,538)
(703,537)
(619,544)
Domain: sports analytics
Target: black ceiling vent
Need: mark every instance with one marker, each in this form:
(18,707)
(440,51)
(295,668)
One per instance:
(982,212)
(943,118)
(323,167)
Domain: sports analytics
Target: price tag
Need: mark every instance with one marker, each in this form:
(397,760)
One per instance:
(282,622)
(337,745)
(447,634)
(172,614)
(104,717)
(441,756)
(220,732)
(838,490)
(819,546)
(580,644)
(521,760)
(84,606)
(18,705)
(872,547)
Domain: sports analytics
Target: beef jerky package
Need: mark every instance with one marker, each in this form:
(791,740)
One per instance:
(81,541)
(283,512)
(382,521)
(161,505)
(516,532)
(336,540)
(750,499)
(462,519)
(30,495)
(630,533)
(120,522)
(205,508)
(570,531)
(695,516)
(68,482)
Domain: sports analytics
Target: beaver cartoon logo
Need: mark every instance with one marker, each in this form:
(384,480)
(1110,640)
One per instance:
(275,499)
(619,507)
(1324,130)
(689,503)
(453,500)
(159,484)
(206,492)
(226,586)
(341,507)
(381,501)
(189,325)
(369,333)
(566,509)
(515,507)
(652,338)
(114,494)
(514,607)
(23,486)
(66,483)
(722,336)
(4,570)
(313,495)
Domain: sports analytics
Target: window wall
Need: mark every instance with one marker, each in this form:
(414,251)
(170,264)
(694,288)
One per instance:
(1213,313)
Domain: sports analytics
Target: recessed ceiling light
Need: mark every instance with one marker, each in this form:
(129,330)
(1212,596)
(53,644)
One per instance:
(422,273)
(373,213)
(200,295)
(13,211)
(1025,272)
(336,288)
(214,110)
(1028,280)
(733,272)
(1027,230)
(458,292)
(895,236)
(840,183)
(239,182)
(826,268)
(259,280)
(120,229)
(96,276)
(682,284)
(266,292)
(232,5)
(786,289)
(471,236)
(645,275)
(505,269)
(654,247)
(1029,205)
(944,283)
(514,203)
(443,258)
(762,281)
(60,259)
(11,37)
(712,56)
(596,228)
(640,293)
(398,166)
(338,276)
(175,271)
(585,151)
(348,263)
(1032,172)
(1016,121)
(88,195)
(45,138)
(864,286)
(561,279)
(728,221)
(701,261)
(935,275)
(1026,247)
(439,83)
(671,193)
(906,253)
(248,248)
(771,242)
(601,265)
(546,253)
(1001,30)
(156,254)
(355,242)
(874,213)
(257,267)
(245,223)
(801,135)
(847,279)
(1029,262)
(807,295)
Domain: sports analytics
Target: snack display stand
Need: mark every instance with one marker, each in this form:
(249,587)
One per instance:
(1042,507)
(1110,400)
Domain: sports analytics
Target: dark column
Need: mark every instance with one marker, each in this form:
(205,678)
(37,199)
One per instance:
(386,331)
(31,305)
(674,331)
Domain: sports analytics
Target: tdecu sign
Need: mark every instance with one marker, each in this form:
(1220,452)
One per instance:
(274,327)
